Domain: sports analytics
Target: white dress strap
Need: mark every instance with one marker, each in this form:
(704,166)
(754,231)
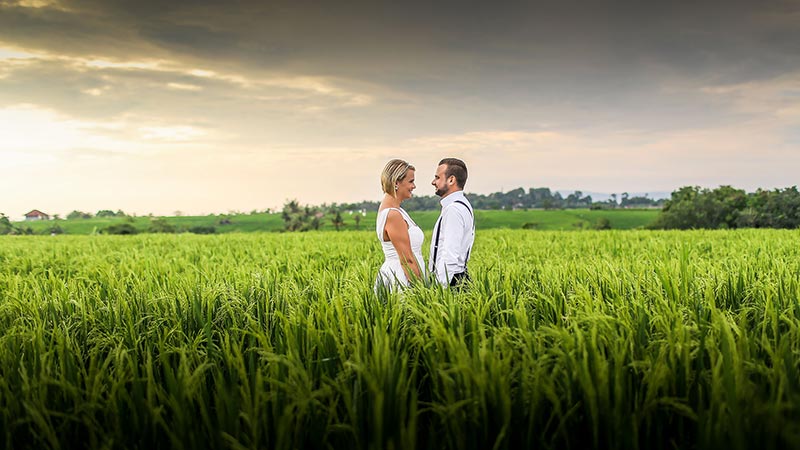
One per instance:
(380,224)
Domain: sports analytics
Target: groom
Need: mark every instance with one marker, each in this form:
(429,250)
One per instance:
(454,232)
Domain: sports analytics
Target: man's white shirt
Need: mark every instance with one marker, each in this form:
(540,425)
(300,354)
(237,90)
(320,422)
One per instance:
(456,237)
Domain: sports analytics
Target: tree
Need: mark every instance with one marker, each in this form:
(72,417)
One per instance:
(693,207)
(773,209)
(577,200)
(316,217)
(292,216)
(680,211)
(724,206)
(300,218)
(5,225)
(357,219)
(337,219)
(639,201)
(75,214)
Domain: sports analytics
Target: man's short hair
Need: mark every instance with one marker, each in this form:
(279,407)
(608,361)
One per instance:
(456,168)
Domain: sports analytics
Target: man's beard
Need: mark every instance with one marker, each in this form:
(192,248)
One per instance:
(442,192)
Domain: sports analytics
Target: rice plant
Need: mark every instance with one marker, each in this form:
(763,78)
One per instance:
(620,339)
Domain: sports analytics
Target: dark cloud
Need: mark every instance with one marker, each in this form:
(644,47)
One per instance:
(360,38)
(189,37)
(457,63)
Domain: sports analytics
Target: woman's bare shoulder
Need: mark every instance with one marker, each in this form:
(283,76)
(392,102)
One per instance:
(393,214)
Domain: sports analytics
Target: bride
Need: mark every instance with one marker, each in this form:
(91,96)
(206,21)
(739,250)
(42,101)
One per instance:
(400,237)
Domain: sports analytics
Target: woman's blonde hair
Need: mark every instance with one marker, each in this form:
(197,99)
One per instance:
(394,171)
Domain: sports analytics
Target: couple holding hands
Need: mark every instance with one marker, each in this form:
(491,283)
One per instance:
(402,239)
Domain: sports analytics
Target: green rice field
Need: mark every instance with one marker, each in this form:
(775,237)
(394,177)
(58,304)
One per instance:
(584,339)
(552,220)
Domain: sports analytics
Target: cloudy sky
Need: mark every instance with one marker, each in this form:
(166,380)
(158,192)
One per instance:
(210,106)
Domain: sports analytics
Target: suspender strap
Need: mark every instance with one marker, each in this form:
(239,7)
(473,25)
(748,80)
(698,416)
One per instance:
(439,230)
(466,260)
(470,211)
(436,242)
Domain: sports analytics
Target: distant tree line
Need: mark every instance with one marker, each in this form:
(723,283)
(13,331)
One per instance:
(102,213)
(688,207)
(533,198)
(728,207)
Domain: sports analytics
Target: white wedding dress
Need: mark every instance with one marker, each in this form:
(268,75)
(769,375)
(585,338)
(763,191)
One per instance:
(391,274)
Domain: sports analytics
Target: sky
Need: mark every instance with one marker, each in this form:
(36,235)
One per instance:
(209,106)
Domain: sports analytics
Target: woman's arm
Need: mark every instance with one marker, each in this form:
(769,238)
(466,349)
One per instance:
(396,230)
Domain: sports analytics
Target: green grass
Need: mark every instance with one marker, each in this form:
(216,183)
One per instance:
(622,219)
(620,339)
(239,223)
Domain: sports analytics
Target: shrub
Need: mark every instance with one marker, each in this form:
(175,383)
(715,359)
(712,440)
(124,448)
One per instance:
(161,226)
(202,229)
(602,224)
(55,229)
(121,228)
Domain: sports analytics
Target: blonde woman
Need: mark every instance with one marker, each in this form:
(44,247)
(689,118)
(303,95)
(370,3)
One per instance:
(400,237)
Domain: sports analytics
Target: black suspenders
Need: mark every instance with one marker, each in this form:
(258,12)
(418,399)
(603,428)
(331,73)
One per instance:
(439,230)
